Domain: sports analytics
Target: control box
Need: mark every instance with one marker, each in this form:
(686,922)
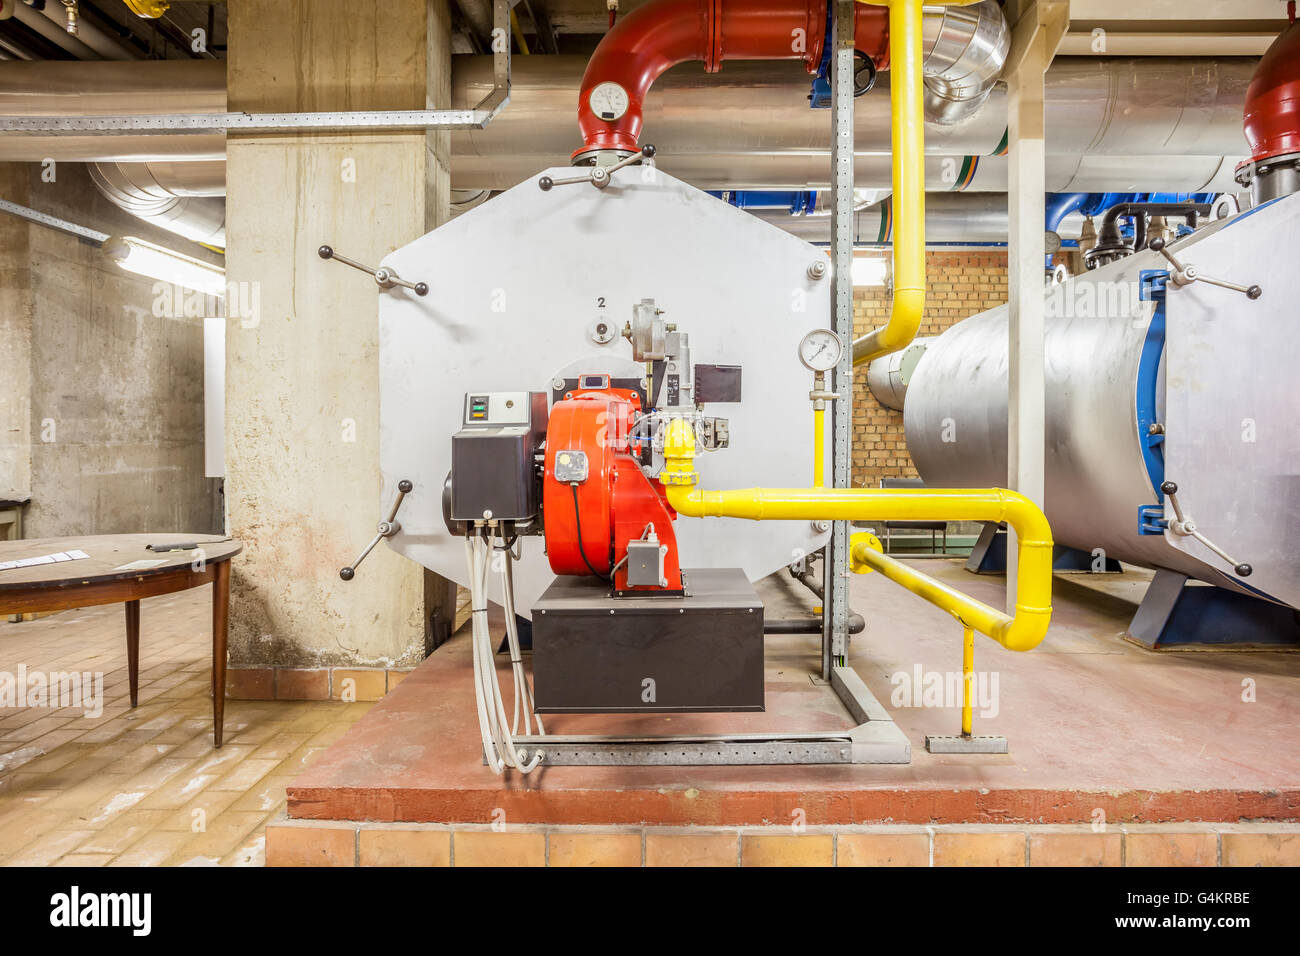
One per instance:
(494,470)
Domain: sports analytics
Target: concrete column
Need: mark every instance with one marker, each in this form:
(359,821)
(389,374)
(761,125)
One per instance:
(302,390)
(1037,32)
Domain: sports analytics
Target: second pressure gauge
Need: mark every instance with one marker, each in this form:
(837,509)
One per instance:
(820,350)
(608,101)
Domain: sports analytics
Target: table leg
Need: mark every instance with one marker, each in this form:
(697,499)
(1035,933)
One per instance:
(133,648)
(220,617)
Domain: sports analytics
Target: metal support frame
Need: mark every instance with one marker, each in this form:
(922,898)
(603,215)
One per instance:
(54,222)
(1037,34)
(835,569)
(875,740)
(475,118)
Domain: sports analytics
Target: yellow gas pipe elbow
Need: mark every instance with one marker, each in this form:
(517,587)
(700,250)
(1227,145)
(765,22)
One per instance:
(1022,632)
(907,134)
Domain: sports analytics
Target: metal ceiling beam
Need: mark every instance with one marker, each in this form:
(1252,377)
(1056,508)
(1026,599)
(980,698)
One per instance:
(1148,43)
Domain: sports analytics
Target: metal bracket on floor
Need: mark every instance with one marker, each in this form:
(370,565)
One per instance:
(876,740)
(961,744)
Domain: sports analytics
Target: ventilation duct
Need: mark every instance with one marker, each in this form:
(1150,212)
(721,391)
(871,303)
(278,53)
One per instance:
(75,88)
(1123,121)
(965,48)
(183,198)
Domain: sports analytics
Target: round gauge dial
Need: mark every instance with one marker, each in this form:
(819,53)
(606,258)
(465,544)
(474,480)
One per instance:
(820,350)
(608,101)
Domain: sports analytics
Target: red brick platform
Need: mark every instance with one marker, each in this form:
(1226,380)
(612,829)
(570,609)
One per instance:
(1099,730)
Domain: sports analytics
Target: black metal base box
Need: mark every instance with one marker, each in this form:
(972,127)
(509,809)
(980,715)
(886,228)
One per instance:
(593,653)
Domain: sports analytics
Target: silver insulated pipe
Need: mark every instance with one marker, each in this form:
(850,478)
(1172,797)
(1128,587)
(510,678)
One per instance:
(965,49)
(1113,124)
(184,198)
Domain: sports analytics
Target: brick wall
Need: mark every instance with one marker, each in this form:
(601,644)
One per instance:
(960,284)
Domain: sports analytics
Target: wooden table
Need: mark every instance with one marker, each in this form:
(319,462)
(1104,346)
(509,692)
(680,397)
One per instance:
(100,579)
(11,523)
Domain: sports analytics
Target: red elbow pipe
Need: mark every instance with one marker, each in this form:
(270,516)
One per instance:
(1272,115)
(662,33)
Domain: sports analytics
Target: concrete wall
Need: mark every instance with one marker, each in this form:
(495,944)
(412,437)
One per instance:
(302,390)
(960,284)
(102,406)
(15,339)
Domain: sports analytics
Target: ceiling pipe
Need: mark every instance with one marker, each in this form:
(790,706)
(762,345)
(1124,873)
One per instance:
(809,169)
(662,33)
(965,49)
(54,32)
(1272,120)
(79,88)
(170,196)
(1117,107)
(950,218)
(15,50)
(92,36)
(104,88)
(477,14)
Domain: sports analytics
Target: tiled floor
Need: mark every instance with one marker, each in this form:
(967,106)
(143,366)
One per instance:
(145,786)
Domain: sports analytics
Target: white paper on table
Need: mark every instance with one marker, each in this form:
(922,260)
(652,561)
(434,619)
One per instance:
(142,565)
(56,558)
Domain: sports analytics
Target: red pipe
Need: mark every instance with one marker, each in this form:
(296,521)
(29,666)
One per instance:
(1272,118)
(662,33)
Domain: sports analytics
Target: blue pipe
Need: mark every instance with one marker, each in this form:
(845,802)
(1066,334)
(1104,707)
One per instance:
(796,202)
(1060,205)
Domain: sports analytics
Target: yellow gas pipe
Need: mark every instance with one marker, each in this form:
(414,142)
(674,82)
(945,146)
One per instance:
(907,139)
(819,447)
(1034,582)
(1027,628)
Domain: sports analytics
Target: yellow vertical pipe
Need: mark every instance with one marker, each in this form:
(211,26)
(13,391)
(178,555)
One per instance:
(967,679)
(907,139)
(819,448)
(518,32)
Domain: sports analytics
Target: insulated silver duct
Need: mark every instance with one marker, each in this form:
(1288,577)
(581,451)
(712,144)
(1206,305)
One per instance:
(949,218)
(1128,117)
(171,196)
(76,88)
(965,49)
(810,169)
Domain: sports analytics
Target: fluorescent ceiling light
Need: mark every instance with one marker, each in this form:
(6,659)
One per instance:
(146,259)
(869,270)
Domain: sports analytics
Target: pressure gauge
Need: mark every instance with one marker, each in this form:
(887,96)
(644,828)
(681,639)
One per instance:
(820,350)
(608,101)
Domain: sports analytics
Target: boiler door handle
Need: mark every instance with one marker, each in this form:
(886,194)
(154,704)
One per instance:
(385,529)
